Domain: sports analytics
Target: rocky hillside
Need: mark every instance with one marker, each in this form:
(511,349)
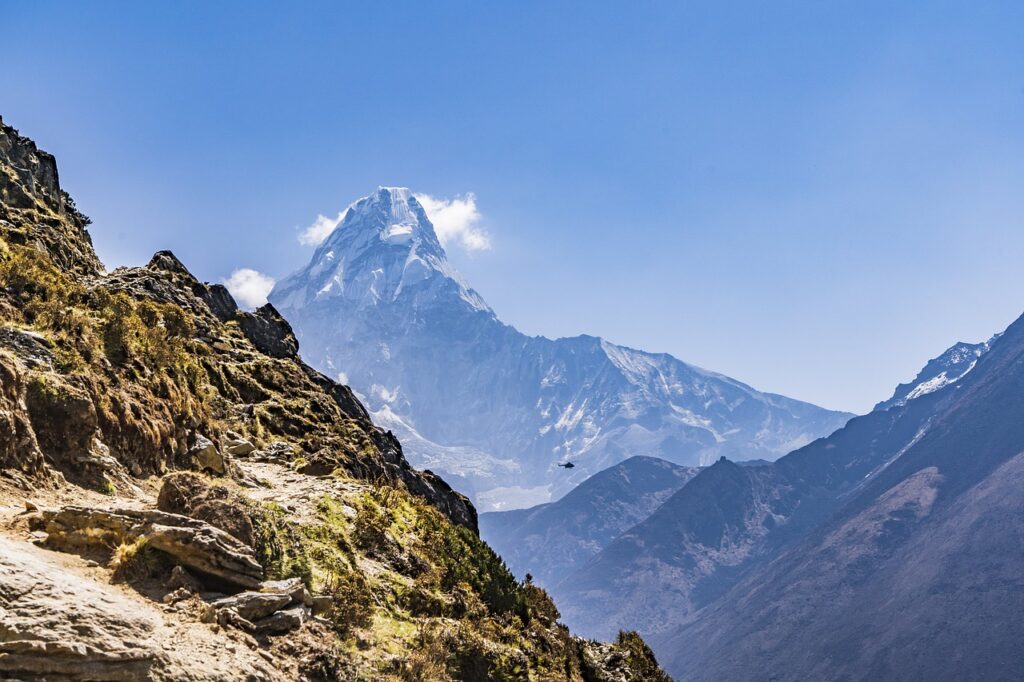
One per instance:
(552,540)
(181,497)
(490,407)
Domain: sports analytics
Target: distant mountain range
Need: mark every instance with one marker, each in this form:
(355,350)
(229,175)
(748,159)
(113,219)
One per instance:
(552,540)
(891,549)
(380,308)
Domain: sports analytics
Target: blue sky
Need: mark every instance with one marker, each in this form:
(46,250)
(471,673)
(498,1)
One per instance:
(810,197)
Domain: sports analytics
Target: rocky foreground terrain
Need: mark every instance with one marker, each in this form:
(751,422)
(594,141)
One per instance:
(181,497)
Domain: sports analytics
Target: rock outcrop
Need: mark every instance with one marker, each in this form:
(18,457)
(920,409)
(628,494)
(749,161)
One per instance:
(58,624)
(269,332)
(194,544)
(35,211)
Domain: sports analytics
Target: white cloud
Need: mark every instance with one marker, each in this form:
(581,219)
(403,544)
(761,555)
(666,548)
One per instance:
(250,288)
(456,221)
(315,234)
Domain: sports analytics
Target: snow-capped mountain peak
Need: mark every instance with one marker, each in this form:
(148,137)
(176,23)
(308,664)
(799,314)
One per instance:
(493,410)
(383,249)
(948,368)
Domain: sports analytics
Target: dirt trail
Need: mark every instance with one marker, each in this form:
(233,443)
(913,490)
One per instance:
(297,493)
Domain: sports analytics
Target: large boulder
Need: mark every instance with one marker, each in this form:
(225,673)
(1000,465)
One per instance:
(249,605)
(181,492)
(189,494)
(209,552)
(205,455)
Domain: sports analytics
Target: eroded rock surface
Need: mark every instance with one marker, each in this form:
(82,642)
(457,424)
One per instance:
(58,624)
(192,543)
(52,623)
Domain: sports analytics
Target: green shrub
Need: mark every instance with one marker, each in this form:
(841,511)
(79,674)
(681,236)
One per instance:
(462,557)
(639,657)
(279,546)
(351,601)
(539,604)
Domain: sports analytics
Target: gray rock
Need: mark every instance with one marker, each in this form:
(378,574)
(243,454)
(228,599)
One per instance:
(205,454)
(239,447)
(269,332)
(251,606)
(293,587)
(209,550)
(283,621)
(279,452)
(194,544)
(31,347)
(54,625)
(220,301)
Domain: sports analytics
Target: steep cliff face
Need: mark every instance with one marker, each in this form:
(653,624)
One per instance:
(34,210)
(114,384)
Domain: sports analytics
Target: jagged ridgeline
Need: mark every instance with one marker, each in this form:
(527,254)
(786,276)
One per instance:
(270,531)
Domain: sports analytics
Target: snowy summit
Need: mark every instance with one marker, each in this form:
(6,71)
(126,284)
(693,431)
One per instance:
(495,411)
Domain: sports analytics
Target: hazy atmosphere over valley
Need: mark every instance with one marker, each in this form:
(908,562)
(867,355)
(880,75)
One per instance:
(542,341)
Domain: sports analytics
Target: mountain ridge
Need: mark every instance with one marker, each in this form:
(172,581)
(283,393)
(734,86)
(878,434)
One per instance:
(551,540)
(917,574)
(688,572)
(414,338)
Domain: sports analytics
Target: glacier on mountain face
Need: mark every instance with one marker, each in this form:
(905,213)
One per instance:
(491,409)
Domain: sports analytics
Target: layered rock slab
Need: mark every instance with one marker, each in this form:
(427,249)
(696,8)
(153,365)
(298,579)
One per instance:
(194,544)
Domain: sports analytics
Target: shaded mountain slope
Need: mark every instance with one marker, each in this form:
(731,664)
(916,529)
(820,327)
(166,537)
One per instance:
(916,577)
(730,519)
(724,520)
(551,540)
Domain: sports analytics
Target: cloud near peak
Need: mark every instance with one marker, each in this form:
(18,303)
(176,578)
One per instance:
(456,221)
(315,234)
(249,287)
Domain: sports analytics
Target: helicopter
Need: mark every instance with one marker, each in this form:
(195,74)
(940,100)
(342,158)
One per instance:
(566,465)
